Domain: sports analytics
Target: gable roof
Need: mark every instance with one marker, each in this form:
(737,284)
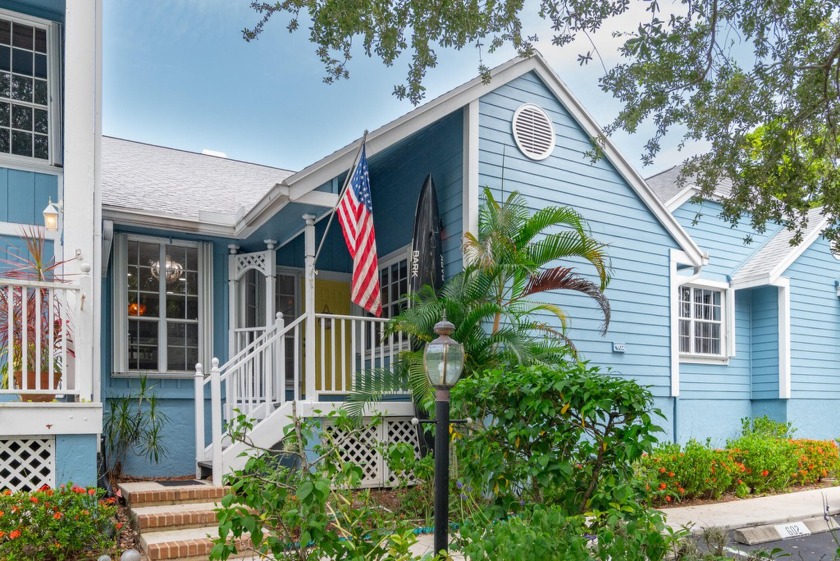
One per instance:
(666,187)
(766,265)
(177,185)
(340,161)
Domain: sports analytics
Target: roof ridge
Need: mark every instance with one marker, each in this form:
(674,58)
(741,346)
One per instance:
(193,153)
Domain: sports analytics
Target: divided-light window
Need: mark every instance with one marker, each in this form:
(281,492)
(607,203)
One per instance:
(25,83)
(701,321)
(161,302)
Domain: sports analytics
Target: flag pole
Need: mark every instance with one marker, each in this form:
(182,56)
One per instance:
(347,181)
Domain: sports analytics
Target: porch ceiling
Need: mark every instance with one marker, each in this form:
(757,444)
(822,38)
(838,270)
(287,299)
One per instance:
(283,227)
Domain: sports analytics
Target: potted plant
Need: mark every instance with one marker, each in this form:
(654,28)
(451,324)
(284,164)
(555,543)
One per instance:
(33,329)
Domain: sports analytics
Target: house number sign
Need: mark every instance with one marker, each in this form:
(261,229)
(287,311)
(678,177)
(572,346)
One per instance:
(793,530)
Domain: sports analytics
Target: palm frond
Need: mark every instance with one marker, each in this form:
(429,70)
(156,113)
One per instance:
(564,278)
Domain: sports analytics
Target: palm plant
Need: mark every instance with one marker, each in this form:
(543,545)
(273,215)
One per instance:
(493,301)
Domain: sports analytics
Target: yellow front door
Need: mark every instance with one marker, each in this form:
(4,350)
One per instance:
(333,370)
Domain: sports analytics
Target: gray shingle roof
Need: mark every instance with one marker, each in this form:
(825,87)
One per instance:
(776,250)
(177,183)
(664,184)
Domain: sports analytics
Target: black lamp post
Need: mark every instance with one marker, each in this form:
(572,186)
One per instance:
(443,360)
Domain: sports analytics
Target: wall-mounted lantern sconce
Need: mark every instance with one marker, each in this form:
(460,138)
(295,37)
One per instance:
(51,215)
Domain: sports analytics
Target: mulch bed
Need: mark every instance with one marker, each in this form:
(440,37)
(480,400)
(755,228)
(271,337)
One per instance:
(728,497)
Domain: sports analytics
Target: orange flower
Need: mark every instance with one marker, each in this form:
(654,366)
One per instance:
(91,492)
(7,492)
(671,474)
(14,534)
(765,473)
(119,525)
(662,470)
(57,516)
(681,490)
(662,486)
(34,500)
(667,498)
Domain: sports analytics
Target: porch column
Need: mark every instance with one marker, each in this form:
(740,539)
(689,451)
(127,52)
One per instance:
(233,302)
(270,282)
(309,306)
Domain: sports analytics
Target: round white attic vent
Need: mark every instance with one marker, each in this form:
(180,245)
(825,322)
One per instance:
(533,131)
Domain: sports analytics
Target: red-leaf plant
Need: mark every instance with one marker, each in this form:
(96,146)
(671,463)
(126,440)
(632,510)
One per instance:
(38,305)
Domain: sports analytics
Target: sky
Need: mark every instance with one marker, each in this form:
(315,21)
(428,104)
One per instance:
(178,73)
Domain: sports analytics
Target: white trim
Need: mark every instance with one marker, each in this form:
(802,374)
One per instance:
(797,251)
(680,198)
(783,285)
(119,366)
(469,217)
(24,163)
(673,290)
(727,322)
(326,169)
(54,418)
(13,229)
(752,282)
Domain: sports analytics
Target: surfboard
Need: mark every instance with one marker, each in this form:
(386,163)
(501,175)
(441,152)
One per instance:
(426,264)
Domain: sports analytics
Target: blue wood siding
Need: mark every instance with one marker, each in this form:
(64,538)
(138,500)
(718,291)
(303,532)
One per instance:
(765,344)
(814,324)
(723,380)
(396,177)
(724,243)
(637,243)
(24,195)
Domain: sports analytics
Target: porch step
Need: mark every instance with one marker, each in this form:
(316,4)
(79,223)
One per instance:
(150,493)
(190,544)
(176,522)
(172,517)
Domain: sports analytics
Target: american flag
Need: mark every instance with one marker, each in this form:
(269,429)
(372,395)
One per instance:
(355,214)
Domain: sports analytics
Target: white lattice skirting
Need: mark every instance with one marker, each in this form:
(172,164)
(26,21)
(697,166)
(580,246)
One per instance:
(27,463)
(362,449)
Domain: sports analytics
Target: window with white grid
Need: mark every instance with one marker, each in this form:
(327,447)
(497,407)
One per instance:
(28,97)
(702,321)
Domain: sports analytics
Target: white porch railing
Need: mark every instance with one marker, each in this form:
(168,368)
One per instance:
(37,347)
(349,346)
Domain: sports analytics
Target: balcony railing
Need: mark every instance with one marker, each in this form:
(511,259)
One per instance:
(37,346)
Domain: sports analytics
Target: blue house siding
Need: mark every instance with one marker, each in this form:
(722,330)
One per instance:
(637,243)
(75,459)
(724,243)
(24,195)
(815,332)
(765,344)
(717,420)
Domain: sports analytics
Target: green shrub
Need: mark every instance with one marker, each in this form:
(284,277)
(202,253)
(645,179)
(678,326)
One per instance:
(763,459)
(696,471)
(562,435)
(55,524)
(540,533)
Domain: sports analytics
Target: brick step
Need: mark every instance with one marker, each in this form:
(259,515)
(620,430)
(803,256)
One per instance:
(150,493)
(172,517)
(190,544)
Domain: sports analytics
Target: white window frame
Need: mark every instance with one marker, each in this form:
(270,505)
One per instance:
(402,254)
(119,299)
(727,322)
(31,163)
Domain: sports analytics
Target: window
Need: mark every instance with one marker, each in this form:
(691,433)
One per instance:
(393,282)
(161,300)
(702,321)
(26,87)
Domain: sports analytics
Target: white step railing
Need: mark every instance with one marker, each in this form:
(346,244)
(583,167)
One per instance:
(263,378)
(255,381)
(37,349)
